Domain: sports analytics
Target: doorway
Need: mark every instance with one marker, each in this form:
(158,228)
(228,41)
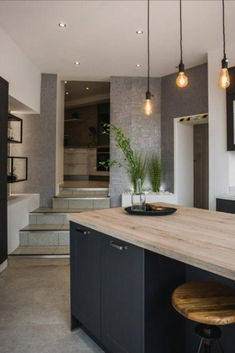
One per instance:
(87,109)
(191,165)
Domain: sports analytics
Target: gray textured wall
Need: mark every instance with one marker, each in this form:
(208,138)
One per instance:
(39,145)
(126,100)
(177,102)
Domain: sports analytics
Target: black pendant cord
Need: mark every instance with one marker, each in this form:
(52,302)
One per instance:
(181,35)
(224,44)
(148,46)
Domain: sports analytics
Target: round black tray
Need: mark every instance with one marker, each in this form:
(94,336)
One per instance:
(165,211)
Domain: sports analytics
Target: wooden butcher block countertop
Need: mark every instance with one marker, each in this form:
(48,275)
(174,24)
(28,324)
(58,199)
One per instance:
(201,238)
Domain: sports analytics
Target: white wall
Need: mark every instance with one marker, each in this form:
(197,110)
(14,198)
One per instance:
(231,162)
(24,78)
(18,216)
(221,162)
(59,134)
(183,163)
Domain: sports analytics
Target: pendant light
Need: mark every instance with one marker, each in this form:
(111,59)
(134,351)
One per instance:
(182,79)
(148,105)
(224,80)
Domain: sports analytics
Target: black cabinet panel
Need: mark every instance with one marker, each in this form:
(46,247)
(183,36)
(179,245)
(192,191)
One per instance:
(225,205)
(3,168)
(122,297)
(85,277)
(164,327)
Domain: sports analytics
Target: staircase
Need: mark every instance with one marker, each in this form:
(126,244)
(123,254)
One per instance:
(48,229)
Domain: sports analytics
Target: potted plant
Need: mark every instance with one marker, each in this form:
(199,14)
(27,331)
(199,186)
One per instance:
(155,172)
(135,164)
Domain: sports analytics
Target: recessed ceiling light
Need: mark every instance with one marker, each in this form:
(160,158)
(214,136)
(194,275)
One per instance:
(62,25)
(76,63)
(138,65)
(139,31)
(66,93)
(87,88)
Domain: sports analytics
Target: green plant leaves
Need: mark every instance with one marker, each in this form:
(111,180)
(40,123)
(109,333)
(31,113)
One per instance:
(155,172)
(135,164)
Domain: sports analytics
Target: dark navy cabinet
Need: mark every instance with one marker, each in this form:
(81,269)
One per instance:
(121,294)
(85,274)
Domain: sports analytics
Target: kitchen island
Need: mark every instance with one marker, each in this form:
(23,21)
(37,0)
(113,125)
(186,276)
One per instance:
(124,269)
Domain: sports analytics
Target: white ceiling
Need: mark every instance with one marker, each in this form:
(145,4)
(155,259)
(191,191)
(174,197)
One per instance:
(101,35)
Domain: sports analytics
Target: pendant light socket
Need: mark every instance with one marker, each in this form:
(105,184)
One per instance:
(148,95)
(181,67)
(224,63)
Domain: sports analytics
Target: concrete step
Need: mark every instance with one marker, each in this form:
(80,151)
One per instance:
(32,236)
(52,215)
(58,210)
(46,227)
(48,218)
(84,192)
(88,203)
(40,250)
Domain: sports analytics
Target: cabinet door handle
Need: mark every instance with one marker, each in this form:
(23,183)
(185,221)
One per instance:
(82,231)
(118,247)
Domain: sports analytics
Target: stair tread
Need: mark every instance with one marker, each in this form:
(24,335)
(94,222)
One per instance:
(85,189)
(81,196)
(41,250)
(46,227)
(78,197)
(60,210)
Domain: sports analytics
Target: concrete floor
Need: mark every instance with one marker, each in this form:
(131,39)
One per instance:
(34,309)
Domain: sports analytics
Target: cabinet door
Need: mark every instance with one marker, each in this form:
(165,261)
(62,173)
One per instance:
(85,277)
(122,297)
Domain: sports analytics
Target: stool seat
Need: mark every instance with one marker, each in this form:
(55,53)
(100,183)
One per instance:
(208,303)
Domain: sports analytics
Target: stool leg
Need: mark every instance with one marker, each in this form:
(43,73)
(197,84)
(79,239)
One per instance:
(219,345)
(200,345)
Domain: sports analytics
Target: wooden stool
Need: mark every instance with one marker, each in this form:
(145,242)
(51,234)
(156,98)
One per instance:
(209,304)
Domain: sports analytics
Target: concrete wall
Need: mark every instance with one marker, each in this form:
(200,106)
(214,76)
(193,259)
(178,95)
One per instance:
(126,101)
(39,145)
(23,76)
(177,102)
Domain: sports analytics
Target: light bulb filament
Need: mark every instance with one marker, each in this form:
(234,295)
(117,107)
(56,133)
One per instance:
(224,79)
(182,80)
(148,107)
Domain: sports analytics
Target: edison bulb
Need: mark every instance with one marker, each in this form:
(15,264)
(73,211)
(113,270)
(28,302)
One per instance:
(182,80)
(224,79)
(148,107)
